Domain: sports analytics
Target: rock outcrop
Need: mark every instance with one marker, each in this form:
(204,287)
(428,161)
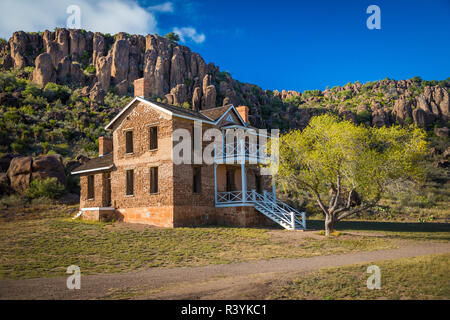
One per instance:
(44,71)
(178,75)
(23,170)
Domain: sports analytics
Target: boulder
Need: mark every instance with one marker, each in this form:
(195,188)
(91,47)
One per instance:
(442,132)
(422,118)
(380,118)
(122,88)
(402,111)
(44,71)
(97,94)
(49,166)
(19,173)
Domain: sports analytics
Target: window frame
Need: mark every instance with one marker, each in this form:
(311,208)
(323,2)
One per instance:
(90,185)
(152,169)
(127,176)
(153,139)
(127,132)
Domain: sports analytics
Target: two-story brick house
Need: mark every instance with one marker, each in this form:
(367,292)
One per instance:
(136,178)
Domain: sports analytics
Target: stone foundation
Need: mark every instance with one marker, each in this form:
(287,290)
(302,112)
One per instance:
(182,216)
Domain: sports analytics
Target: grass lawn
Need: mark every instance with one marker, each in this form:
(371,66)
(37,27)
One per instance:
(394,230)
(45,247)
(421,278)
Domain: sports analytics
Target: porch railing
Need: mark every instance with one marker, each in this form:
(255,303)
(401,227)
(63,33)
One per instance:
(275,209)
(236,152)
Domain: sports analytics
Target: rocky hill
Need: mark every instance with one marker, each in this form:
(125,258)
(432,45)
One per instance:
(101,63)
(59,89)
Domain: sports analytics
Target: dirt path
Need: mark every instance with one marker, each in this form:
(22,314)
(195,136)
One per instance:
(231,281)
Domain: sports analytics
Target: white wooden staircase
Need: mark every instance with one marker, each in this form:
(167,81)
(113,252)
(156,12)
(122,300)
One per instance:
(274,209)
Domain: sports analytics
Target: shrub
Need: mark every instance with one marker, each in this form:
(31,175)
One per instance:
(47,188)
(53,92)
(363,116)
(172,37)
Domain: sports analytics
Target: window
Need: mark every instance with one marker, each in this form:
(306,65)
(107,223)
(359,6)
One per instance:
(197,180)
(153,138)
(90,187)
(154,180)
(129,142)
(130,182)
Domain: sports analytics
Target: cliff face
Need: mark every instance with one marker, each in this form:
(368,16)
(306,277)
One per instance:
(99,63)
(74,56)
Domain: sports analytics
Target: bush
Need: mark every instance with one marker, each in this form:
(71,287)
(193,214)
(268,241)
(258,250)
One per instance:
(53,92)
(363,116)
(172,36)
(47,188)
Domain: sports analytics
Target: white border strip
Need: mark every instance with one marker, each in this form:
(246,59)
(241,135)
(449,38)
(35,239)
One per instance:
(98,209)
(92,170)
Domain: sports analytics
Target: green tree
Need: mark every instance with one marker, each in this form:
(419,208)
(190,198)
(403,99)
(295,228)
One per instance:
(172,36)
(347,168)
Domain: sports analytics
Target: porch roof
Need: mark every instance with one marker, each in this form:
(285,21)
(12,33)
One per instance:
(105,162)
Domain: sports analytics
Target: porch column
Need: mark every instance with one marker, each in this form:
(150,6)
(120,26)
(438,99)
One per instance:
(244,183)
(215,183)
(273,189)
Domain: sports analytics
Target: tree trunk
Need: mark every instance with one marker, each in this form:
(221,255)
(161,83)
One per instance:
(329,224)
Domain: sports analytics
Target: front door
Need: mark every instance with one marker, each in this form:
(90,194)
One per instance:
(230,180)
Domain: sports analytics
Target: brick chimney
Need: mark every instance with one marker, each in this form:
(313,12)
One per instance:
(243,112)
(142,88)
(105,146)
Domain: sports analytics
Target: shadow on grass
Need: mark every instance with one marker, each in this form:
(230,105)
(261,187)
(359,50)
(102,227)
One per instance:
(383,226)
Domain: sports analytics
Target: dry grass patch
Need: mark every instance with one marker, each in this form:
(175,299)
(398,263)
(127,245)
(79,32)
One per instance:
(420,278)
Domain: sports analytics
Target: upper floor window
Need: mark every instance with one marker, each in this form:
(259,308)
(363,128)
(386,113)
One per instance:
(153,138)
(129,142)
(154,180)
(130,182)
(90,187)
(197,180)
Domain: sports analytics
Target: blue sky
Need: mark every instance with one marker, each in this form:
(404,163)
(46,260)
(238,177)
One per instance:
(285,44)
(304,45)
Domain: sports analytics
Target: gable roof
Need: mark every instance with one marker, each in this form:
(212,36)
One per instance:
(207,116)
(215,113)
(105,162)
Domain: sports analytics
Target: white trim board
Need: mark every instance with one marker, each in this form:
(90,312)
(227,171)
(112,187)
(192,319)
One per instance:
(92,170)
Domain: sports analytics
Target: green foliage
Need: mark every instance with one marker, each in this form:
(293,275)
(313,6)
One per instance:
(172,36)
(54,92)
(333,161)
(90,70)
(46,188)
(3,42)
(363,116)
(32,90)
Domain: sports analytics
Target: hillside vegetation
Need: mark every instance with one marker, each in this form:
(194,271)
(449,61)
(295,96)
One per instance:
(58,89)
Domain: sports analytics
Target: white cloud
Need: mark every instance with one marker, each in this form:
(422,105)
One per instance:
(107,16)
(163,7)
(189,32)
